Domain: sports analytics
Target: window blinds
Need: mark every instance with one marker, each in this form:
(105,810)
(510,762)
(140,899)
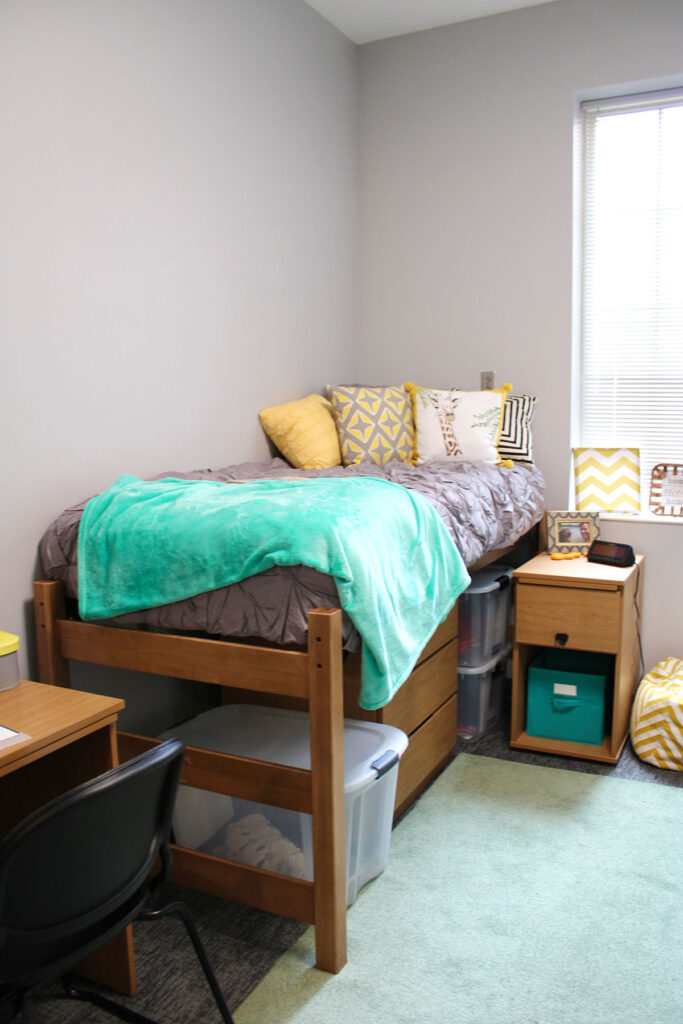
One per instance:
(632,277)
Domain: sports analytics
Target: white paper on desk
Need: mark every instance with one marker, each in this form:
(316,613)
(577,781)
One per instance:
(10,736)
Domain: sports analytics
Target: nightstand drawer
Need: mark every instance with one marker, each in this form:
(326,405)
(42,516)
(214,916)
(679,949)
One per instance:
(588,618)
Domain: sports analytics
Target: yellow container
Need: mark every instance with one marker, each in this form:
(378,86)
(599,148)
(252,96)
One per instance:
(9,661)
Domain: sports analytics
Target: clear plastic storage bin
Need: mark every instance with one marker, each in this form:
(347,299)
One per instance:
(274,837)
(480,696)
(484,615)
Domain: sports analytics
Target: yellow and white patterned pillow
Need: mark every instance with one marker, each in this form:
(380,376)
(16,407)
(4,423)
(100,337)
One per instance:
(460,426)
(374,424)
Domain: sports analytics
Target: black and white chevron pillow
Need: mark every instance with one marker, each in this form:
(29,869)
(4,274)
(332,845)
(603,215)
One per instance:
(515,435)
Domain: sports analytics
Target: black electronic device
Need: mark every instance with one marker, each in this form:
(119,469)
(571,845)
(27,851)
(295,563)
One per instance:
(610,553)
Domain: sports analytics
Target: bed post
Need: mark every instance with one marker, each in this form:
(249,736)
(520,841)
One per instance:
(49,606)
(327,767)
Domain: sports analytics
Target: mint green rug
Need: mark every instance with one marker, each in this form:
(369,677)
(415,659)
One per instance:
(514,894)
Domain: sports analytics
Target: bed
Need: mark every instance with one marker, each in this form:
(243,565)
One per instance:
(280,636)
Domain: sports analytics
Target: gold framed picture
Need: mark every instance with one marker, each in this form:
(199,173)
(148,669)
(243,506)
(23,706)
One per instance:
(666,489)
(571,531)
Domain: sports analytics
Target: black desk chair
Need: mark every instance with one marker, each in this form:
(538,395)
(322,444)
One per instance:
(75,872)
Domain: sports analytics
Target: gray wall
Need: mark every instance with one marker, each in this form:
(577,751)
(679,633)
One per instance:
(180,245)
(466,212)
(178,237)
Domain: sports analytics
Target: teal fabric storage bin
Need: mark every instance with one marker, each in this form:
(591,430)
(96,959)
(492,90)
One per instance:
(567,696)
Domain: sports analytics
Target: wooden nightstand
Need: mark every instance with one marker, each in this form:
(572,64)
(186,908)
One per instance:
(577,605)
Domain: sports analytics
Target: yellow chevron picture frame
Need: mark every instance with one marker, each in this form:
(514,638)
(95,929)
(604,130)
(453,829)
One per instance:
(607,479)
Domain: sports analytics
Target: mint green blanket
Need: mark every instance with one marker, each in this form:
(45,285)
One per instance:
(398,573)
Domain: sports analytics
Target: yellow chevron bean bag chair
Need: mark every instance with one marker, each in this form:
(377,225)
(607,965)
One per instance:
(657,716)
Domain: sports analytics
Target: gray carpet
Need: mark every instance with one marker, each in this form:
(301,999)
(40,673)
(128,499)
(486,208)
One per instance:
(244,944)
(495,743)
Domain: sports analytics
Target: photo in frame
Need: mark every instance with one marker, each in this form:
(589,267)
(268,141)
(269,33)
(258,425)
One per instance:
(666,489)
(571,531)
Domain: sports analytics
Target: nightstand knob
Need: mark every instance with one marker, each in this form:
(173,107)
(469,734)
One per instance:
(561,638)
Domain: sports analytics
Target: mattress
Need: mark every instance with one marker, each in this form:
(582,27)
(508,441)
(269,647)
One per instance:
(484,507)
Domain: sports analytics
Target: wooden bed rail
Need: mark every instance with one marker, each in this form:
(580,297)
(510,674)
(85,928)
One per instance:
(61,640)
(259,781)
(315,675)
(262,782)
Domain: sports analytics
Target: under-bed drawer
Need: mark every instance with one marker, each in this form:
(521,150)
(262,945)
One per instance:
(426,689)
(430,683)
(429,750)
(443,634)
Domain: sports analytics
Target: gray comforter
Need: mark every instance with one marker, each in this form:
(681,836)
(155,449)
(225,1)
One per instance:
(484,507)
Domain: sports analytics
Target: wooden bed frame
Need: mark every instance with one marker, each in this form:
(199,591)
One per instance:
(314,675)
(320,678)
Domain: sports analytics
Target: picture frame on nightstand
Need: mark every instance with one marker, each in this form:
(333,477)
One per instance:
(571,532)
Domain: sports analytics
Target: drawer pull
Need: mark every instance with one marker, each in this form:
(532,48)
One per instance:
(561,638)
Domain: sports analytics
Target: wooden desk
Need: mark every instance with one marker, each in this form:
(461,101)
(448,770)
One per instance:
(71,737)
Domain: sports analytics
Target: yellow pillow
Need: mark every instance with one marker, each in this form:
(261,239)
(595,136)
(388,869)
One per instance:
(304,432)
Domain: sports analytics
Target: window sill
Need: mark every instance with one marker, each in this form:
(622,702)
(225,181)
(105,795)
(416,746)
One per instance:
(643,517)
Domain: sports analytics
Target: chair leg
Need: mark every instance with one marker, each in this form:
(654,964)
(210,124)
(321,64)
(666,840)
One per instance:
(73,991)
(108,1005)
(17,998)
(178,908)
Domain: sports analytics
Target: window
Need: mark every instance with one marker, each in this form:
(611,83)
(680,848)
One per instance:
(631,357)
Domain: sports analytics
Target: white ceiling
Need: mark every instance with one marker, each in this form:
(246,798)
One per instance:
(365,21)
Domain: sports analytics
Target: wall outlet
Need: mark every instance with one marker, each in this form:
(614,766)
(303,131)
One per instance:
(487,380)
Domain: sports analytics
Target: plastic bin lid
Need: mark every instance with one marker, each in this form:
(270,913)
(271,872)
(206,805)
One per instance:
(475,670)
(489,579)
(283,736)
(8,643)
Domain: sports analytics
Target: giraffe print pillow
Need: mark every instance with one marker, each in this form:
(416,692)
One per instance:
(463,426)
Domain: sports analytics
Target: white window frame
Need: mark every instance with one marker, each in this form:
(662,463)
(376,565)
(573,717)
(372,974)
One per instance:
(630,98)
